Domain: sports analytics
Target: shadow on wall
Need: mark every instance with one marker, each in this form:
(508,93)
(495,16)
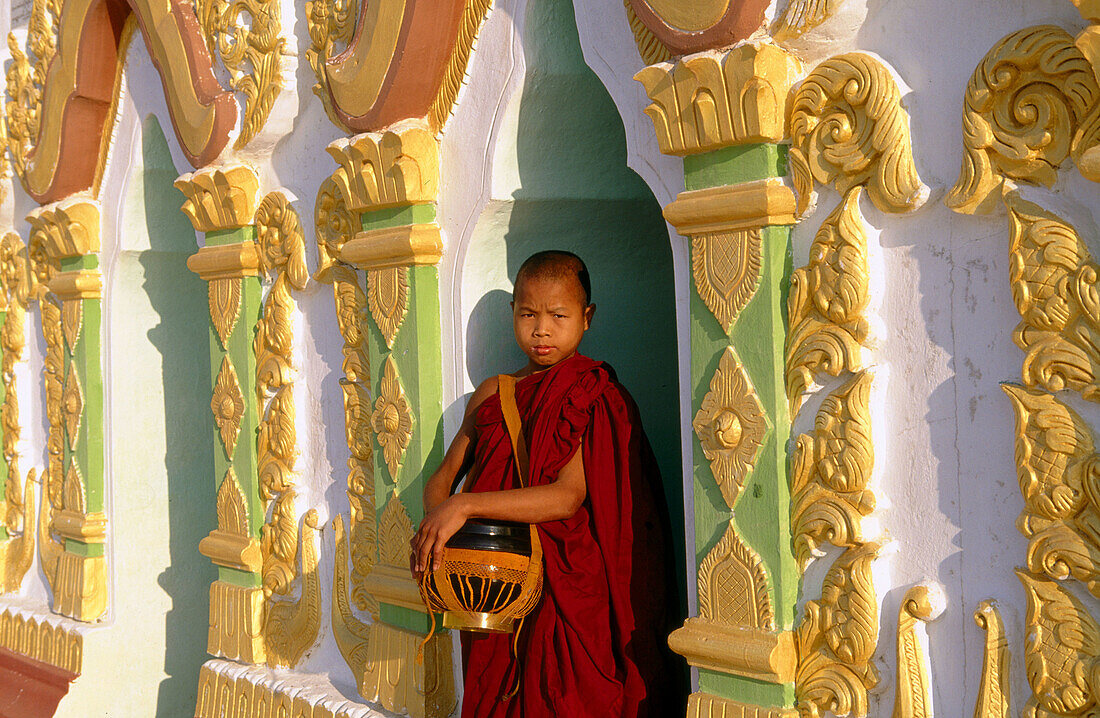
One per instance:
(181,338)
(576,193)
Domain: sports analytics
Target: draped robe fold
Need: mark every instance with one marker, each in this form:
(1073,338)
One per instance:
(595,645)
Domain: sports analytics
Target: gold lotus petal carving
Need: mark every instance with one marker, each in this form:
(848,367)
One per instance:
(72,319)
(726,269)
(913,691)
(837,638)
(730,425)
(72,403)
(227,405)
(392,419)
(225,306)
(733,585)
(830,472)
(388,297)
(994,691)
(848,128)
(827,304)
(383,169)
(219,198)
(395,532)
(232,507)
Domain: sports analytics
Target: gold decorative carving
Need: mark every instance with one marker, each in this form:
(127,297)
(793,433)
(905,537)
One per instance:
(830,473)
(703,705)
(388,297)
(392,420)
(395,679)
(227,406)
(281,239)
(15,283)
(715,99)
(352,635)
(1032,102)
(231,544)
(837,638)
(730,425)
(1059,474)
(384,169)
(473,13)
(225,306)
(247,36)
(49,641)
(848,128)
(72,405)
(227,688)
(236,623)
(395,533)
(72,319)
(649,45)
(826,308)
(53,372)
(738,650)
(913,692)
(801,16)
(335,226)
(17,552)
(993,693)
(732,208)
(726,269)
(80,590)
(394,247)
(73,491)
(1060,649)
(69,228)
(219,198)
(331,28)
(291,627)
(733,585)
(25,79)
(226,261)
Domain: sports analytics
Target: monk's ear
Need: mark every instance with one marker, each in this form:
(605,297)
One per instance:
(589,312)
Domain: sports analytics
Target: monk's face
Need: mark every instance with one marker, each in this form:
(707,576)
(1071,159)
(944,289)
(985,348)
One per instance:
(550,318)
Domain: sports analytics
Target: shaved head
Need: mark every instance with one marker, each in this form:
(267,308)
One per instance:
(557,264)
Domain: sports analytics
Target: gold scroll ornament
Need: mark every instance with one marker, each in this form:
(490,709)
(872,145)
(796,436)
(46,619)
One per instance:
(913,691)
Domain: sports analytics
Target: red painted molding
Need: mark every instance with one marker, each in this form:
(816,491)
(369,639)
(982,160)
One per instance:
(30,688)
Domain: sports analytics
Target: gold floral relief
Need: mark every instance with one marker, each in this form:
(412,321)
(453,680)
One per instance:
(730,425)
(913,690)
(26,77)
(227,405)
(14,282)
(352,635)
(848,128)
(388,298)
(726,269)
(1059,474)
(827,304)
(830,473)
(335,225)
(837,638)
(225,306)
(1060,650)
(1032,102)
(43,639)
(733,585)
(72,405)
(247,35)
(392,419)
(994,691)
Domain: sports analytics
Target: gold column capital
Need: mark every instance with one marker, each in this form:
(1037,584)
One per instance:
(69,228)
(402,246)
(714,99)
(387,169)
(226,261)
(738,650)
(220,198)
(732,207)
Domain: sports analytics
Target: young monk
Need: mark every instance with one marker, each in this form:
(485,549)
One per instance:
(595,644)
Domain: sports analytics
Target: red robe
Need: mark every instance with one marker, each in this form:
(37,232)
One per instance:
(596,643)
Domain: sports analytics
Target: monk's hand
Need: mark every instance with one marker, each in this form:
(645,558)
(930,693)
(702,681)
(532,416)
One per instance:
(438,526)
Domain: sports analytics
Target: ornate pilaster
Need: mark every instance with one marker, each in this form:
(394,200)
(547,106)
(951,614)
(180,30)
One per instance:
(376,216)
(64,251)
(258,546)
(737,213)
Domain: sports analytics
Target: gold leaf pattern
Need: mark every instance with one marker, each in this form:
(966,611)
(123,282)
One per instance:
(352,635)
(72,319)
(726,268)
(74,491)
(837,639)
(334,226)
(650,47)
(388,297)
(227,405)
(830,472)
(392,419)
(801,16)
(279,545)
(232,507)
(281,240)
(14,279)
(246,34)
(913,692)
(993,693)
(473,13)
(826,307)
(733,585)
(395,532)
(72,403)
(225,306)
(331,27)
(730,425)
(53,371)
(1031,103)
(26,78)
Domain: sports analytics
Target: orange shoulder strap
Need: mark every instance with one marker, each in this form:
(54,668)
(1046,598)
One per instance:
(506,386)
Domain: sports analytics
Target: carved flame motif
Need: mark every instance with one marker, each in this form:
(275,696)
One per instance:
(993,693)
(72,405)
(726,269)
(1059,474)
(1060,650)
(1032,102)
(225,306)
(913,691)
(830,472)
(733,585)
(730,425)
(396,530)
(72,319)
(247,35)
(232,507)
(388,295)
(227,406)
(392,419)
(837,639)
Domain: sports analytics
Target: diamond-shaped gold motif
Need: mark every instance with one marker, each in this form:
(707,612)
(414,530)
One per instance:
(730,426)
(72,404)
(227,405)
(392,419)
